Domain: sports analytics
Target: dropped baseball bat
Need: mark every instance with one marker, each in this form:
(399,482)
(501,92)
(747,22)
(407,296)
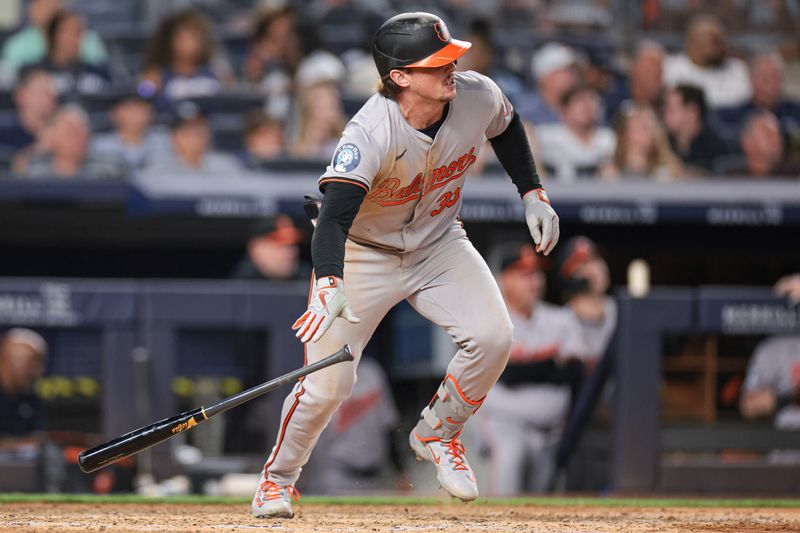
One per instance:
(143,438)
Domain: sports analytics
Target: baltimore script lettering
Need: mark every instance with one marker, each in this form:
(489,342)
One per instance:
(389,192)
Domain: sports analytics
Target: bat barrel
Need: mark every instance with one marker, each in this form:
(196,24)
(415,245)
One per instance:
(143,438)
(138,440)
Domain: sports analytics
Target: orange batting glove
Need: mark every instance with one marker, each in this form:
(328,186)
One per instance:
(327,303)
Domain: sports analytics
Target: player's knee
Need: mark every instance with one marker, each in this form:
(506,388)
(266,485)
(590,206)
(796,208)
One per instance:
(331,386)
(495,338)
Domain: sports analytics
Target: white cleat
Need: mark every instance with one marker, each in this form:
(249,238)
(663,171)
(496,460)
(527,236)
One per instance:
(274,501)
(452,469)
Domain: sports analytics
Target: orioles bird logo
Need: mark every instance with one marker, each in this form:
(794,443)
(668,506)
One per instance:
(441,31)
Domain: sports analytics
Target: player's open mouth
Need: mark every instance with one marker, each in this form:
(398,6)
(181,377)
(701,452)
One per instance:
(450,81)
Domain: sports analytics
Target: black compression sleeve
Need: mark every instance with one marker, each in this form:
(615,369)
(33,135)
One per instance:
(514,153)
(340,206)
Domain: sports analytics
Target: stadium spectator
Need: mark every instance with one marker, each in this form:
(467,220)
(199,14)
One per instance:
(191,144)
(319,121)
(707,64)
(642,149)
(133,143)
(685,116)
(578,146)
(22,359)
(29,45)
(555,72)
(764,148)
(767,79)
(772,384)
(35,100)
(180,62)
(599,73)
(584,280)
(273,252)
(273,58)
(647,74)
(64,150)
(72,76)
(359,442)
(263,140)
(521,419)
(482,57)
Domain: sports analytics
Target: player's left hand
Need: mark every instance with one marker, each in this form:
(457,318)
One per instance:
(327,303)
(542,220)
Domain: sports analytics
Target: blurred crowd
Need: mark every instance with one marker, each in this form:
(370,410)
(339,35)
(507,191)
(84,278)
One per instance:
(224,86)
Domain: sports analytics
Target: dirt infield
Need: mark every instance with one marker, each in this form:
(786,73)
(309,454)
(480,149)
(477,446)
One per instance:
(69,517)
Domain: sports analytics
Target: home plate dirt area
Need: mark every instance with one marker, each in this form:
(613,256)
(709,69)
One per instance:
(542,515)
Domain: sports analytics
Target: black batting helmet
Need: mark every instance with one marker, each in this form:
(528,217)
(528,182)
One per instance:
(415,40)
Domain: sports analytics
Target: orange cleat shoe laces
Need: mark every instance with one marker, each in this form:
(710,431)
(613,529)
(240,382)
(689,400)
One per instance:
(455,449)
(272,491)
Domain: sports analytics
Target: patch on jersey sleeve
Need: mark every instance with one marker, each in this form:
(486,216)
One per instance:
(346,158)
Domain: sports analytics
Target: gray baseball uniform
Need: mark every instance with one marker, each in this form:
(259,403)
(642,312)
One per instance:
(355,447)
(406,243)
(775,366)
(597,335)
(520,425)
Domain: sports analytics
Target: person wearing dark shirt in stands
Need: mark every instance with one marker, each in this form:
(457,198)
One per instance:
(767,79)
(274,55)
(180,63)
(763,149)
(685,116)
(483,58)
(35,100)
(273,252)
(22,355)
(73,77)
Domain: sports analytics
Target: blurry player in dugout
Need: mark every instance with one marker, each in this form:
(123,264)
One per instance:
(772,385)
(22,357)
(22,422)
(520,424)
(273,252)
(358,452)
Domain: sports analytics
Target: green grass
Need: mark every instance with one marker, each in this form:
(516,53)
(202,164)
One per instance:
(411,501)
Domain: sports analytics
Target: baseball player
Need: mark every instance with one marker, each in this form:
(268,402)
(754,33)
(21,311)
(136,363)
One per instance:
(772,384)
(521,419)
(584,280)
(388,231)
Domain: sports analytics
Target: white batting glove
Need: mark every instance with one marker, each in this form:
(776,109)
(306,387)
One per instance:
(542,220)
(327,303)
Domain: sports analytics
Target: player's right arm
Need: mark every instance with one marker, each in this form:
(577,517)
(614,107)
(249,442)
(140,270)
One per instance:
(345,184)
(340,206)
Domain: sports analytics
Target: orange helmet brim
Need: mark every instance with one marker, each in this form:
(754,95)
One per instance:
(452,51)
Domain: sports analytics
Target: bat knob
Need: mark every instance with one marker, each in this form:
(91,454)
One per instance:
(348,353)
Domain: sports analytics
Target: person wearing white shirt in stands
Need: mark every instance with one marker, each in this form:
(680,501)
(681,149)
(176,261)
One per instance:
(706,64)
(578,146)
